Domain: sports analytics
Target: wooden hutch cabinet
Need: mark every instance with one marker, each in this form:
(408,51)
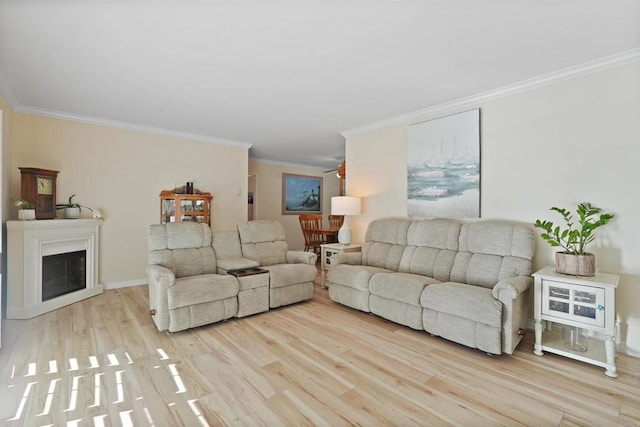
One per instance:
(177,206)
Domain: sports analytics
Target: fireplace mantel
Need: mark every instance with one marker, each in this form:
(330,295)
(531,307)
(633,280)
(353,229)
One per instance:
(27,243)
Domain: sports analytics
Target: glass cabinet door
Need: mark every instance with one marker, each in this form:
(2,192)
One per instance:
(584,304)
(168,211)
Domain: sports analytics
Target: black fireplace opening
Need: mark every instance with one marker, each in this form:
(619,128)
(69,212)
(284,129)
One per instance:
(63,274)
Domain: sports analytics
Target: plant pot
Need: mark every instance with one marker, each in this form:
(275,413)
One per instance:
(575,265)
(72,213)
(26,214)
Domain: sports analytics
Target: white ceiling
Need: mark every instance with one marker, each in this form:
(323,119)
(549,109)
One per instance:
(287,76)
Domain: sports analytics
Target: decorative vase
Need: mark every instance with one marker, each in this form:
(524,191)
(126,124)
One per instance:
(575,265)
(72,213)
(575,338)
(26,214)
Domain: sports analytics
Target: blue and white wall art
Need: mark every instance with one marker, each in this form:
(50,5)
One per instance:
(443,167)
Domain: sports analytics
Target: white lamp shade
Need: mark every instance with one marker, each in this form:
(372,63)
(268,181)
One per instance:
(345,205)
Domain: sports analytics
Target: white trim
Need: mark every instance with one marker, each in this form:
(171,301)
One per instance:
(475,101)
(622,348)
(127,126)
(124,284)
(273,162)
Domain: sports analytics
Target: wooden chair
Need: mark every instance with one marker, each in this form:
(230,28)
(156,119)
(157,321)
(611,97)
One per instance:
(311,224)
(335,221)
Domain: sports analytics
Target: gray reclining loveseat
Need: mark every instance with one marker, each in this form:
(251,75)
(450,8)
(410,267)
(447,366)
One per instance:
(187,272)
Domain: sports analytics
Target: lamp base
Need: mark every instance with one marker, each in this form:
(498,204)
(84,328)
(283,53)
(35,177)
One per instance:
(344,235)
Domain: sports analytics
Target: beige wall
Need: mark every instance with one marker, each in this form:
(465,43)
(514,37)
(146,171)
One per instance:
(5,156)
(122,172)
(558,145)
(4,191)
(268,196)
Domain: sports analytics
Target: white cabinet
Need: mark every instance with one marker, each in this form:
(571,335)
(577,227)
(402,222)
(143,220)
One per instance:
(573,302)
(330,249)
(583,303)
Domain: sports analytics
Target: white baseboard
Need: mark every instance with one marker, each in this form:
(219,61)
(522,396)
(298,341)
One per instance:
(124,284)
(622,348)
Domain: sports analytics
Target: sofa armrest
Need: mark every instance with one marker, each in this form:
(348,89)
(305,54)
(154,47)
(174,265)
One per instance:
(159,279)
(514,295)
(301,257)
(234,263)
(352,258)
(160,276)
(509,289)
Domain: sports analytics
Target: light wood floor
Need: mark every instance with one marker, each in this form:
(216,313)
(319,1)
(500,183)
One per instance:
(102,362)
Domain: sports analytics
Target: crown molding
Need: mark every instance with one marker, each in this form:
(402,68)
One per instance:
(475,101)
(277,163)
(128,126)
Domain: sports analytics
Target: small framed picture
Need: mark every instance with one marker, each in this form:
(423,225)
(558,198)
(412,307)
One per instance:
(301,194)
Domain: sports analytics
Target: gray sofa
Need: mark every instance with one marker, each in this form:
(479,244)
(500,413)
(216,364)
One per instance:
(466,282)
(187,272)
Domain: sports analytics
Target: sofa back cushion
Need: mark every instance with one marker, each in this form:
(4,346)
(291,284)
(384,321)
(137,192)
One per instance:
(384,242)
(490,251)
(263,241)
(226,244)
(183,247)
(431,248)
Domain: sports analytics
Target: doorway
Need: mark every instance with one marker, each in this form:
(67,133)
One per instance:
(252,212)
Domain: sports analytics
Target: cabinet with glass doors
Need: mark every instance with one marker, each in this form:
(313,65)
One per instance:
(579,315)
(176,206)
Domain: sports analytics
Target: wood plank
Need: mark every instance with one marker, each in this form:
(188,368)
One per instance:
(314,363)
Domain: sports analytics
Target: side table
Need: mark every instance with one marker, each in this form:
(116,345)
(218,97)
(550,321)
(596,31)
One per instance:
(588,303)
(330,249)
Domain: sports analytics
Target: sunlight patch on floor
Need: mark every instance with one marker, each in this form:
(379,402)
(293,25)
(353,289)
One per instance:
(56,385)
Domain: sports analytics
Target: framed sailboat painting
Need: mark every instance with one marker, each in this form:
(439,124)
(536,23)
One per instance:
(443,167)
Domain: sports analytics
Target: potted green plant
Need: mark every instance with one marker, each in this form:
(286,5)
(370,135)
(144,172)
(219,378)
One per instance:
(72,209)
(574,239)
(26,209)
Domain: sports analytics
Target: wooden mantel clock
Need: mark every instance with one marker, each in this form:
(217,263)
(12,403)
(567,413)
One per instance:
(39,186)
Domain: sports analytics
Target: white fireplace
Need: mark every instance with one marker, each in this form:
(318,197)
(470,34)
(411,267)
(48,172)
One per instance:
(51,263)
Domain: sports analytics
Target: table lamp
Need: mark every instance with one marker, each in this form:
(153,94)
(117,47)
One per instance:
(345,205)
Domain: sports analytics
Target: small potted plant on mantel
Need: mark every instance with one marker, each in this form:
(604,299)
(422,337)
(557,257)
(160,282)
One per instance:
(26,209)
(72,209)
(574,259)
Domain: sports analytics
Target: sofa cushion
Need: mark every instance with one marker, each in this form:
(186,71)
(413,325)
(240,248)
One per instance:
(200,289)
(434,233)
(492,251)
(263,241)
(403,287)
(495,238)
(290,274)
(226,244)
(385,241)
(182,235)
(353,276)
(428,261)
(184,248)
(194,261)
(466,301)
(260,231)
(388,230)
(382,255)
